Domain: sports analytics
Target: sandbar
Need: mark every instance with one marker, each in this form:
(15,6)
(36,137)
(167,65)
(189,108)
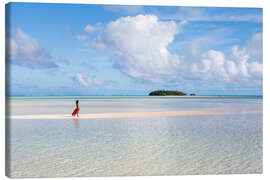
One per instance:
(196,112)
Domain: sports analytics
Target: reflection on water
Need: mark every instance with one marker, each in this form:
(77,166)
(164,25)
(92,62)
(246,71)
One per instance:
(76,121)
(210,144)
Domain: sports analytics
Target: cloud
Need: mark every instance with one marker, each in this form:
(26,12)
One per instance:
(254,47)
(199,40)
(89,28)
(26,51)
(86,81)
(212,66)
(138,46)
(215,67)
(214,14)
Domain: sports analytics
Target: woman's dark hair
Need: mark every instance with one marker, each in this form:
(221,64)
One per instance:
(77,101)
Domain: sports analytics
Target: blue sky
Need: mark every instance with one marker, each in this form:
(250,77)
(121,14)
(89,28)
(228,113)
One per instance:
(69,49)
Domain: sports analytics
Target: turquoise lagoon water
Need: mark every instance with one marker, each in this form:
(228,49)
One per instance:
(181,145)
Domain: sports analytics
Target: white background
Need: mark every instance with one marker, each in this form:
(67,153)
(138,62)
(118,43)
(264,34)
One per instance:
(218,3)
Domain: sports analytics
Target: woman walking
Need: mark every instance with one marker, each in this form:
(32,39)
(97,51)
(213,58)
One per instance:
(77,109)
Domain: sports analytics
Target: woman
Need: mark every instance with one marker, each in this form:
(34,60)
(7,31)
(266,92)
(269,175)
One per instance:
(76,110)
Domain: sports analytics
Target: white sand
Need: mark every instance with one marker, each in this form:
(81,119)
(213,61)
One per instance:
(139,114)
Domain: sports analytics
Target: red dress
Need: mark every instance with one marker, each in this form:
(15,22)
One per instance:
(76,111)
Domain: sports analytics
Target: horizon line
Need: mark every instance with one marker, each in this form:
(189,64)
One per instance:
(135,95)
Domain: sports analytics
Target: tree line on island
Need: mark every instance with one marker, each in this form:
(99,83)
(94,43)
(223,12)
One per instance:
(169,93)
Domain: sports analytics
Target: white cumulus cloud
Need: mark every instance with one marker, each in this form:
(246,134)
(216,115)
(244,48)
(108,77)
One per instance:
(25,51)
(211,67)
(138,46)
(235,68)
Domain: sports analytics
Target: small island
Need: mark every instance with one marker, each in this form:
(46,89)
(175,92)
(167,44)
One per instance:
(167,93)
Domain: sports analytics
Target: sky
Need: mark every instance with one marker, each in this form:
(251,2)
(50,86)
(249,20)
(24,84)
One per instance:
(79,49)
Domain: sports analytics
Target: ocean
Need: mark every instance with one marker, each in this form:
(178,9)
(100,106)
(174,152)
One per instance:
(176,145)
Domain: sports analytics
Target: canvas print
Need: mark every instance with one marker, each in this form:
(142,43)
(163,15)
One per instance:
(118,90)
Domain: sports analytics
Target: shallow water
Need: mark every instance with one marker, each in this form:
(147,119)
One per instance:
(209,144)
